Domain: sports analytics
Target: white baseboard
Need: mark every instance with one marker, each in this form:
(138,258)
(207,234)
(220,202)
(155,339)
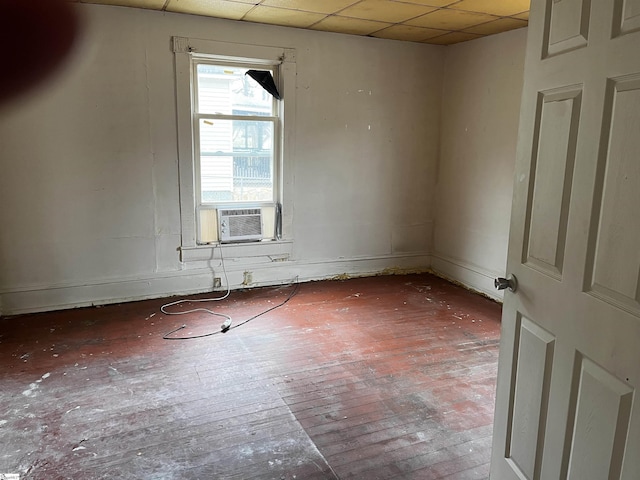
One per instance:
(470,275)
(185,282)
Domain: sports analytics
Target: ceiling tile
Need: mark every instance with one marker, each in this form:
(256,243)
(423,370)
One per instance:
(354,26)
(150,4)
(283,16)
(213,8)
(446,19)
(432,3)
(451,38)
(407,33)
(522,16)
(497,26)
(385,10)
(494,7)
(325,6)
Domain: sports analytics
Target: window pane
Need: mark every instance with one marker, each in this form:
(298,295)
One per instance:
(227,90)
(236,160)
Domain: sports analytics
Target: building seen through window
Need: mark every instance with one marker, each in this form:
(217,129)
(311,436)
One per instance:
(235,128)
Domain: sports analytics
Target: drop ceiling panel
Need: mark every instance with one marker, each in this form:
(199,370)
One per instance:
(354,26)
(497,26)
(522,16)
(446,19)
(217,8)
(325,6)
(432,3)
(283,16)
(408,32)
(385,10)
(493,7)
(149,4)
(453,37)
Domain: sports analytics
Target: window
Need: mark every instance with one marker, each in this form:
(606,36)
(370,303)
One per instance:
(235,131)
(233,144)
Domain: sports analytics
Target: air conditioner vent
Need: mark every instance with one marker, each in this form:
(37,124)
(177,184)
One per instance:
(241,211)
(240,224)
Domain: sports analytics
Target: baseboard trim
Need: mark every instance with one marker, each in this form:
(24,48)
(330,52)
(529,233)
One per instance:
(471,276)
(191,281)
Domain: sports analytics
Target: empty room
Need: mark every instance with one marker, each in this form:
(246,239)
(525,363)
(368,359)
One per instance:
(296,239)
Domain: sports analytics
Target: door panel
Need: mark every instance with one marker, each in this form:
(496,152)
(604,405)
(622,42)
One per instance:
(567,25)
(551,178)
(530,396)
(602,406)
(569,365)
(611,273)
(626,17)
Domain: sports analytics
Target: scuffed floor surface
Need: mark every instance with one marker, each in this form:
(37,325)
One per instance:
(375,378)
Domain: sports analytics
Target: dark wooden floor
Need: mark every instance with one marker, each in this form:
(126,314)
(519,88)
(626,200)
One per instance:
(372,378)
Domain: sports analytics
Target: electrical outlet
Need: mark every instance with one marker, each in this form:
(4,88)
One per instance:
(217,282)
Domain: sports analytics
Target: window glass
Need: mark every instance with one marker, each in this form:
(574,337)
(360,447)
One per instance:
(236,161)
(236,155)
(227,90)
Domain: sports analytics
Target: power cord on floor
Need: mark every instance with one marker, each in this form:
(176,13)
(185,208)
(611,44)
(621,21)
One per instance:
(226,326)
(177,302)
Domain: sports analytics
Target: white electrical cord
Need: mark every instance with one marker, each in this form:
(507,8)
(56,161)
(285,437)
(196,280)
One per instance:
(226,326)
(177,302)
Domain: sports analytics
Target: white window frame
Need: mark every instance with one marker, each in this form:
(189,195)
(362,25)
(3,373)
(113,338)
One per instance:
(185,51)
(273,119)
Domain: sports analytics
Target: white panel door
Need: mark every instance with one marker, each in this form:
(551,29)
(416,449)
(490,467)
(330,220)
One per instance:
(569,368)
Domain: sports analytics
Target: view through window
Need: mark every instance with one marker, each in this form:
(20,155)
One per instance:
(235,127)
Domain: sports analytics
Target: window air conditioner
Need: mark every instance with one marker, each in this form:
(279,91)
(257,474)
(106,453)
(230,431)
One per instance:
(239,224)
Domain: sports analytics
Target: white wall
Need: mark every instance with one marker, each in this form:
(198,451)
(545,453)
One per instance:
(480,111)
(89,176)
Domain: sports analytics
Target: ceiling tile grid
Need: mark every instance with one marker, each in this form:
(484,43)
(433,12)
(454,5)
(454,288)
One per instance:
(438,22)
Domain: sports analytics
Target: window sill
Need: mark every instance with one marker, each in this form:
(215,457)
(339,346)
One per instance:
(276,250)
